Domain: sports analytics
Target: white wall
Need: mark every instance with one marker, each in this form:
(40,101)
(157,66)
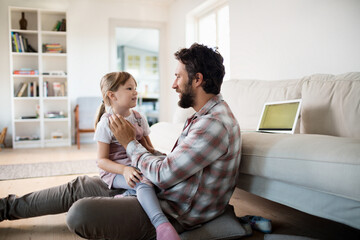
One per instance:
(88,42)
(282,39)
(176,40)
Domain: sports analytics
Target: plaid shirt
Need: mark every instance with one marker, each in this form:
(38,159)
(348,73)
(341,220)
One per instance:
(198,177)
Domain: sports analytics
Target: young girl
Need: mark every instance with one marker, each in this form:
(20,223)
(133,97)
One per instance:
(119,96)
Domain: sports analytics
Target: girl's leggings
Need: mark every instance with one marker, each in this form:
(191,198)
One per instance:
(147,198)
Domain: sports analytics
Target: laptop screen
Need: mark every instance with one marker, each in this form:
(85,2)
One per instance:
(280,116)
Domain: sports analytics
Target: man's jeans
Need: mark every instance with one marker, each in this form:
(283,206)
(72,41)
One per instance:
(93,213)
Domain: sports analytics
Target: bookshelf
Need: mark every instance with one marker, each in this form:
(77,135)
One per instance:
(41,115)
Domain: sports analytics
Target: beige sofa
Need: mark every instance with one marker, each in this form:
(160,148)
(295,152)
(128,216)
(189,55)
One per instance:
(316,170)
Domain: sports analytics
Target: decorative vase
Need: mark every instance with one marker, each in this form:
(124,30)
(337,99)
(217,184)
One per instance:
(23,22)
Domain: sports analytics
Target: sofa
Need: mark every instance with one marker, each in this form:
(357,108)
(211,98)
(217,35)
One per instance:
(317,169)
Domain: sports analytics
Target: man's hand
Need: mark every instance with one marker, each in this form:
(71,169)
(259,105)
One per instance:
(123,131)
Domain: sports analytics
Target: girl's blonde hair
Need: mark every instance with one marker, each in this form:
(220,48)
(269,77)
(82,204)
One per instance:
(110,82)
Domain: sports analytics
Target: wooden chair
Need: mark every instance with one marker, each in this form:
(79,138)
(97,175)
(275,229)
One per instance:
(85,111)
(2,137)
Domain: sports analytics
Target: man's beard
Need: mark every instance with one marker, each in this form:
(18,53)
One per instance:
(187,98)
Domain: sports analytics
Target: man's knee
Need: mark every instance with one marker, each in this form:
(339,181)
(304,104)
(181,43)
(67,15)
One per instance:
(5,204)
(98,217)
(78,215)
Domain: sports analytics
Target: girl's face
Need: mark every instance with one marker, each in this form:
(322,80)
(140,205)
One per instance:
(125,97)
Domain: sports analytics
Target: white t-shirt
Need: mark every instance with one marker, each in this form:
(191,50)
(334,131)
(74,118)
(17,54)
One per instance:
(104,134)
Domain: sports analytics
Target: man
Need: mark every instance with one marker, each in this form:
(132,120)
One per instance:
(198,177)
(195,181)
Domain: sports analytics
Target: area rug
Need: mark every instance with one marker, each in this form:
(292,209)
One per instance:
(18,171)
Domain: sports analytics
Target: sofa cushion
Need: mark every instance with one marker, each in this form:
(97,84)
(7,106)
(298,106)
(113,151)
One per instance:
(246,98)
(226,226)
(322,163)
(331,105)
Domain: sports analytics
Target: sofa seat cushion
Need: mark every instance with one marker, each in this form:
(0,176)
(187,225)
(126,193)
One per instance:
(224,227)
(322,163)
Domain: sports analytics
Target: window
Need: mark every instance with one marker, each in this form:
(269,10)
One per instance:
(213,31)
(133,65)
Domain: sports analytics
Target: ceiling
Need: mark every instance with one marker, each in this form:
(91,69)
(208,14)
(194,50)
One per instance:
(162,2)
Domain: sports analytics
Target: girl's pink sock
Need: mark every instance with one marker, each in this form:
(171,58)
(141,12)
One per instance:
(166,231)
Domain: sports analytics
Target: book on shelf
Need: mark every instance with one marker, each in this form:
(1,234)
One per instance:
(28,89)
(26,45)
(21,91)
(57,26)
(54,73)
(32,89)
(14,43)
(29,117)
(27,138)
(60,26)
(52,48)
(55,114)
(17,42)
(17,90)
(25,71)
(58,89)
(20,43)
(57,134)
(36,89)
(62,89)
(46,88)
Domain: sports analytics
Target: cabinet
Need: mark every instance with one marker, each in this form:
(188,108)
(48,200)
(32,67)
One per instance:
(41,115)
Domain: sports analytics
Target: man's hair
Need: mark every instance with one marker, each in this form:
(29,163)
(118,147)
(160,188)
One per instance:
(202,59)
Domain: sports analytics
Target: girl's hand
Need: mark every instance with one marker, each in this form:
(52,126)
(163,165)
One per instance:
(132,176)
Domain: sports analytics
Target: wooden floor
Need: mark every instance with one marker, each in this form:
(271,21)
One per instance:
(285,220)
(46,227)
(288,221)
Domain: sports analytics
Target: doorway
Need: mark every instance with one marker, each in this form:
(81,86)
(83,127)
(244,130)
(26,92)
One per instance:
(135,49)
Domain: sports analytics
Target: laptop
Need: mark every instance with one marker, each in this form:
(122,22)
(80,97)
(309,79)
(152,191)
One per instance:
(280,117)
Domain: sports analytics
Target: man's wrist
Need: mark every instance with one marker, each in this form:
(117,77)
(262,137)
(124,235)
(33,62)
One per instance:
(135,150)
(126,145)
(130,146)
